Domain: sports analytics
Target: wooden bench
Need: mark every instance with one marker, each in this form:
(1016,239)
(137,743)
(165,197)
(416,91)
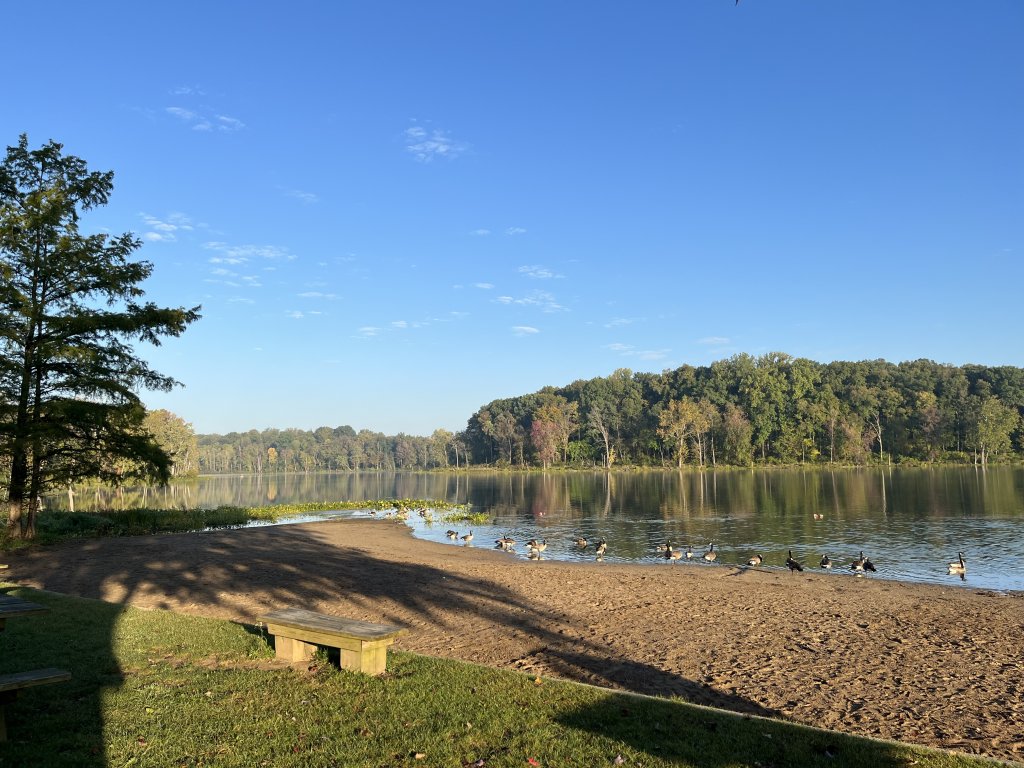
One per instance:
(363,646)
(14,606)
(13,684)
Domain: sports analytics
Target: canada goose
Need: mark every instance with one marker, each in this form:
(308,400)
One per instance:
(958,567)
(506,542)
(451,534)
(792,564)
(538,544)
(755,560)
(858,564)
(689,553)
(869,566)
(533,554)
(825,562)
(818,516)
(467,537)
(666,547)
(580,542)
(673,554)
(710,555)
(601,547)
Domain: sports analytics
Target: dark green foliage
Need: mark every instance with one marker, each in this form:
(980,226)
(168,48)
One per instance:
(70,307)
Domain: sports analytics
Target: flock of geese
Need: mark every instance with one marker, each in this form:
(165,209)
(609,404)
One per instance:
(859,565)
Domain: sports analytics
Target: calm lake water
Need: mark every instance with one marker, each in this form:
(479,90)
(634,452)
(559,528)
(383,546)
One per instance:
(910,522)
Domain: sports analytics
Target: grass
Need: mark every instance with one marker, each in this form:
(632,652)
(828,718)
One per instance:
(154,688)
(54,526)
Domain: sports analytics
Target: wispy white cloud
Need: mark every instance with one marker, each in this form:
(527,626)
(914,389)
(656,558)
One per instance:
(715,340)
(628,350)
(399,324)
(240,300)
(524,330)
(163,230)
(481,232)
(295,314)
(368,331)
(515,231)
(203,121)
(483,286)
(187,90)
(618,322)
(543,300)
(538,273)
(245,252)
(317,295)
(225,123)
(307,198)
(427,146)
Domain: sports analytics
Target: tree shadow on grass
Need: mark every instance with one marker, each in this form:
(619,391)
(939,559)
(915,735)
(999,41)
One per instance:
(59,724)
(242,573)
(709,738)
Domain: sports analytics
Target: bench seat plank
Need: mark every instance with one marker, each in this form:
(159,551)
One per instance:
(300,618)
(19,680)
(363,645)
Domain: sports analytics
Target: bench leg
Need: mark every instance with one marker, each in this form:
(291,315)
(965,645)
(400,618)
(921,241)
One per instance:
(292,650)
(369,661)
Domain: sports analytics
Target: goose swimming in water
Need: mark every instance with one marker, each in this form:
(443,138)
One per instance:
(755,560)
(451,534)
(581,543)
(959,568)
(792,564)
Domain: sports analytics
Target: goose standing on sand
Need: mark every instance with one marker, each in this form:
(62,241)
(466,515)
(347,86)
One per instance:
(755,560)
(858,564)
(958,568)
(601,547)
(792,564)
(710,556)
(826,562)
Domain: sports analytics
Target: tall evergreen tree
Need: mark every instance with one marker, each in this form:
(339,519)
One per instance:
(70,307)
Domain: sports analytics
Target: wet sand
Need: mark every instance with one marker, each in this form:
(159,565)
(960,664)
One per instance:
(930,665)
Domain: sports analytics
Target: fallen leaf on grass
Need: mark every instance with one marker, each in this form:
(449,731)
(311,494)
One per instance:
(531,761)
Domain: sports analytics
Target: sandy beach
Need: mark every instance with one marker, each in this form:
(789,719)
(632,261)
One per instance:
(928,665)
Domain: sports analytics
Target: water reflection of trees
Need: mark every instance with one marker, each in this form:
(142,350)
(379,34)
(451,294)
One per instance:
(668,495)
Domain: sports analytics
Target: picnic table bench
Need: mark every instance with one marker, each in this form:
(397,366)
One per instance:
(15,606)
(363,645)
(13,684)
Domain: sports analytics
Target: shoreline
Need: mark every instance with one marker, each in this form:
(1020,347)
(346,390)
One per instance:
(920,663)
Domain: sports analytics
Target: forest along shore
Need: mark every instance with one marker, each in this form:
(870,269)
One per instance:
(924,664)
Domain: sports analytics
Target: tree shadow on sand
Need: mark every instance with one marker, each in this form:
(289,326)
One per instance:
(241,573)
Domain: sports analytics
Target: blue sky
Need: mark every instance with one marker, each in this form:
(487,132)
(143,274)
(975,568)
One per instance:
(393,213)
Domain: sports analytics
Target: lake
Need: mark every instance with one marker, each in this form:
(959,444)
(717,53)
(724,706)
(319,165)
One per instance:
(910,522)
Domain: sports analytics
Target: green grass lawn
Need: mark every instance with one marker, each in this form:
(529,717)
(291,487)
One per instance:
(154,688)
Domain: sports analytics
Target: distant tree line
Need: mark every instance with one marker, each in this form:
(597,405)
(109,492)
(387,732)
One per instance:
(743,411)
(326,449)
(772,409)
